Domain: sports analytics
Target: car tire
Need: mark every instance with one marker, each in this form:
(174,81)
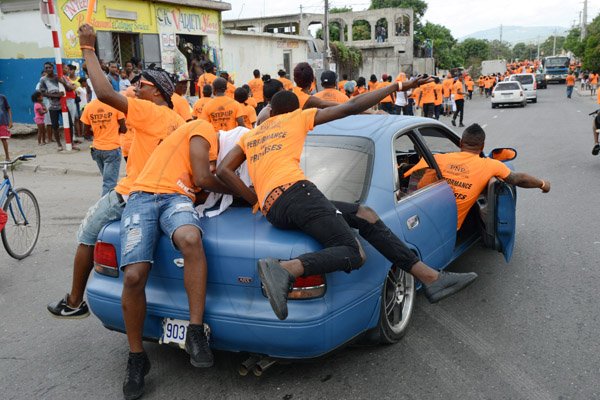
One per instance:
(494,105)
(397,302)
(534,100)
(523,104)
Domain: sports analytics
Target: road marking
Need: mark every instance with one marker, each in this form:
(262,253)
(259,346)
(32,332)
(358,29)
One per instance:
(495,116)
(483,126)
(578,110)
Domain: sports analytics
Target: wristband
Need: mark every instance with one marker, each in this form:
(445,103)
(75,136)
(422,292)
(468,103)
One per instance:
(543,184)
(84,47)
(399,87)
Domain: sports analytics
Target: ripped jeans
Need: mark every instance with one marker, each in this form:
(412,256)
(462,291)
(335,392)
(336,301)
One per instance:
(146,217)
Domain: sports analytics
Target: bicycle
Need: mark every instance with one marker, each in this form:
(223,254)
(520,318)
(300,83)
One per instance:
(22,229)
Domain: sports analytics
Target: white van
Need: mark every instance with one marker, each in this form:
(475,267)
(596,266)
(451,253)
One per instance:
(528,83)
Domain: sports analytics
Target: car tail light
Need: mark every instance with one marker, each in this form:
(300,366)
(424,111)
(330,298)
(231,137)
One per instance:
(521,94)
(308,287)
(534,85)
(105,259)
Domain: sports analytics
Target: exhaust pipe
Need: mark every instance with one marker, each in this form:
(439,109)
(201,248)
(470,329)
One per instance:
(247,365)
(262,365)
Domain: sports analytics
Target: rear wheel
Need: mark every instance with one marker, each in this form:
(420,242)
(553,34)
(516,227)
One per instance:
(397,302)
(534,100)
(494,105)
(22,229)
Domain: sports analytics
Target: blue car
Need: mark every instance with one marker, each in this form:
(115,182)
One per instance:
(357,159)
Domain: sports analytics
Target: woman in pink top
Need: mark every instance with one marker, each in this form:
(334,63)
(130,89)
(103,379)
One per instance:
(38,116)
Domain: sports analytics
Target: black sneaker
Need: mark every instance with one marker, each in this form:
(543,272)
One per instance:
(277,282)
(596,149)
(461,125)
(196,344)
(138,366)
(447,284)
(62,309)
(453,123)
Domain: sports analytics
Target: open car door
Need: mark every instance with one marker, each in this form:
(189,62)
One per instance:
(497,206)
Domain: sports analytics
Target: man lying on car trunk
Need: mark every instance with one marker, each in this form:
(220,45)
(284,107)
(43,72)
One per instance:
(289,201)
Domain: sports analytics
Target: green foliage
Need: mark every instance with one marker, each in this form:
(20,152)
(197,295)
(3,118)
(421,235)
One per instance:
(523,51)
(591,52)
(337,10)
(547,47)
(361,30)
(443,43)
(419,6)
(473,51)
(348,59)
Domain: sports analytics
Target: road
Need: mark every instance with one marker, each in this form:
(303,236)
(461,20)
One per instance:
(524,330)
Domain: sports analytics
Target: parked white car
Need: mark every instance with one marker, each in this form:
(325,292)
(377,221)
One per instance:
(508,92)
(528,83)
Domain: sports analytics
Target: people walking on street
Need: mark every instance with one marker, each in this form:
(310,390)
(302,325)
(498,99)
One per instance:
(570,81)
(458,95)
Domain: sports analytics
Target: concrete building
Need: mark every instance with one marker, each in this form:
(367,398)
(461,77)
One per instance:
(165,32)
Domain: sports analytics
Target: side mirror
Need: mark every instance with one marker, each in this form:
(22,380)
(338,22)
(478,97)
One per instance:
(503,154)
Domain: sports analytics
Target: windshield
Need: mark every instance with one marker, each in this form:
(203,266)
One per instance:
(508,86)
(524,79)
(340,166)
(556,62)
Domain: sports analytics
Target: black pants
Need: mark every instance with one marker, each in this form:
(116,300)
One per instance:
(428,110)
(437,111)
(387,107)
(54,117)
(460,108)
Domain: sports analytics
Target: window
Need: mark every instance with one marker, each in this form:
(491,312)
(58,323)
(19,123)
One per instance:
(411,177)
(524,79)
(151,50)
(439,140)
(340,166)
(508,86)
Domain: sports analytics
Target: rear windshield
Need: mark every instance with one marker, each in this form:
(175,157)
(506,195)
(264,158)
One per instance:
(524,79)
(340,166)
(508,86)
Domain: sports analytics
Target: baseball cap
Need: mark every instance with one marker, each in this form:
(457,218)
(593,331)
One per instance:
(328,77)
(384,76)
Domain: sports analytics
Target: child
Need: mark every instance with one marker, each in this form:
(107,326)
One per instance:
(124,83)
(39,111)
(6,123)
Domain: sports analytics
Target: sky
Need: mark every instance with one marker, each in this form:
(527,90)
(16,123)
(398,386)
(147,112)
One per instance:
(460,16)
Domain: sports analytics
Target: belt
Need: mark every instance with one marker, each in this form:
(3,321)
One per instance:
(273,196)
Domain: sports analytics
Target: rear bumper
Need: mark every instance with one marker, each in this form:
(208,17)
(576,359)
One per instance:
(507,100)
(243,321)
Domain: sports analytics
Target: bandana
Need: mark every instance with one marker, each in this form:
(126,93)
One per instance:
(161,79)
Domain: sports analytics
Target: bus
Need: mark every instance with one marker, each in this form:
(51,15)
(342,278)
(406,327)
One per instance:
(556,68)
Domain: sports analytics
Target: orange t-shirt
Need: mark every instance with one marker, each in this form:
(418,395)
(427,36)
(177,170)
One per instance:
(331,94)
(251,102)
(447,86)
(341,86)
(380,85)
(104,121)
(302,96)
(222,112)
(126,139)
(428,93)
(467,174)
(287,84)
(169,169)
(488,83)
(199,105)
(256,87)
(273,150)
(230,91)
(438,94)
(249,116)
(205,79)
(570,80)
(480,81)
(181,107)
(152,123)
(359,90)
(594,79)
(598,97)
(401,77)
(470,85)
(458,91)
(416,95)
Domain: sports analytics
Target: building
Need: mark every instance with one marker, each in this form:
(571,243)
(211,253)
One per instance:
(168,33)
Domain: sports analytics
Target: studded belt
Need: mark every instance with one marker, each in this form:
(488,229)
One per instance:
(273,196)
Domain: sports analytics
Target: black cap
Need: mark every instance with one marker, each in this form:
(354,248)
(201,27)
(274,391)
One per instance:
(328,77)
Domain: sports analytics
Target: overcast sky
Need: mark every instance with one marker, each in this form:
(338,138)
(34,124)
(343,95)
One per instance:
(460,16)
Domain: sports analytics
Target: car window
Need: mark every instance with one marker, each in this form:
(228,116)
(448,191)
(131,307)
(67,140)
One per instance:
(508,86)
(524,79)
(340,166)
(411,177)
(438,140)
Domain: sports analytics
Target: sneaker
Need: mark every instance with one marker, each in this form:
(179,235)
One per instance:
(447,284)
(196,345)
(277,283)
(596,149)
(62,309)
(453,123)
(138,366)
(461,125)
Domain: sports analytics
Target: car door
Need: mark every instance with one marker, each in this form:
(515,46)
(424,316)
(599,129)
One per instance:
(425,203)
(497,207)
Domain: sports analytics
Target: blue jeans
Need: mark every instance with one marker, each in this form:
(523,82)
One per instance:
(569,91)
(146,217)
(108,208)
(109,163)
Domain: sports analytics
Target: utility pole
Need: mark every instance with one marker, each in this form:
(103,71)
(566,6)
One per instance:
(500,33)
(584,20)
(554,46)
(326,37)
(538,47)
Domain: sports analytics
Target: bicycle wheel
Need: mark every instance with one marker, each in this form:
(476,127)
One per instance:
(22,229)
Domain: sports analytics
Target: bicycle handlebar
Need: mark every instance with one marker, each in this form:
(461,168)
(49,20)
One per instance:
(22,157)
(594,112)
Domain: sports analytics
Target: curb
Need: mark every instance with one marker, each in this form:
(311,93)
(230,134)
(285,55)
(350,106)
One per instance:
(36,168)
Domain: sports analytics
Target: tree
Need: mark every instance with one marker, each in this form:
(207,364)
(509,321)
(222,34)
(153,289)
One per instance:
(418,6)
(443,42)
(471,50)
(591,54)
(524,51)
(547,48)
(500,50)
(573,42)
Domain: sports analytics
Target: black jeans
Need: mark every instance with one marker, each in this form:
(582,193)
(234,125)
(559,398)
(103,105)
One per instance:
(460,108)
(304,207)
(428,110)
(54,119)
(387,107)
(379,236)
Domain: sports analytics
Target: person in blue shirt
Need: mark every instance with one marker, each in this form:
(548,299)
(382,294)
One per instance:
(113,75)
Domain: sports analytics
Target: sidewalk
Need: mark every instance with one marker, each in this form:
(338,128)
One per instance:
(49,160)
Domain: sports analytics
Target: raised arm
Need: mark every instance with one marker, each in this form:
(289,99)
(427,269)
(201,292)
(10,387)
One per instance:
(199,159)
(103,88)
(316,102)
(226,172)
(358,104)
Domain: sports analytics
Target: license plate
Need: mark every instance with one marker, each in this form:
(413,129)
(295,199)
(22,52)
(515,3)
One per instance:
(174,331)
(506,94)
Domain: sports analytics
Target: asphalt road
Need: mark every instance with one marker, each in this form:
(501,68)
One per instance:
(524,330)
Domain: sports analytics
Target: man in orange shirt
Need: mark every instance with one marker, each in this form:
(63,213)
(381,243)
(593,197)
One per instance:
(289,201)
(256,87)
(595,128)
(180,104)
(208,77)
(162,202)
(447,92)
(329,92)
(468,173)
(470,85)
(438,97)
(230,86)
(287,84)
(106,123)
(427,97)
(570,84)
(241,96)
(304,77)
(593,83)
(201,102)
(387,103)
(458,96)
(342,83)
(222,112)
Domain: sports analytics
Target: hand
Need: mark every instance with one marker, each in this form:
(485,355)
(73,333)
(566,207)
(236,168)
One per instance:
(416,82)
(87,36)
(546,187)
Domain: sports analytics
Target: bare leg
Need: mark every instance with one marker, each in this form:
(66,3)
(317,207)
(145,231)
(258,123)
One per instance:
(5,145)
(49,133)
(133,301)
(595,130)
(188,240)
(82,266)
